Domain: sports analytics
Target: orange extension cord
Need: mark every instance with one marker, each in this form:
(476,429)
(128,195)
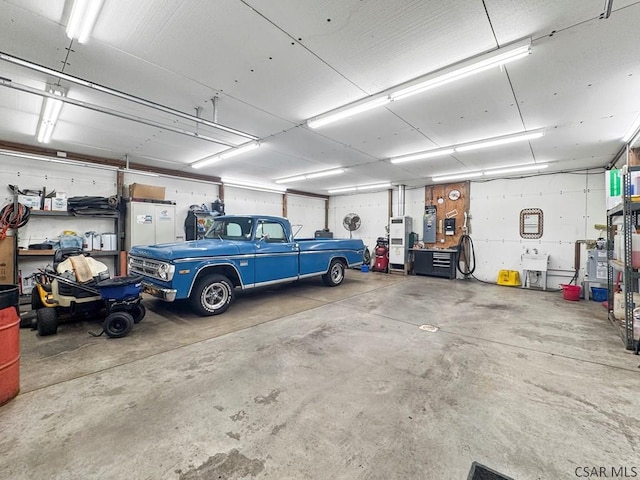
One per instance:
(9,218)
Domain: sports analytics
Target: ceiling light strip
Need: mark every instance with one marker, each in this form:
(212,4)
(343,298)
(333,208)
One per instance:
(457,176)
(465,147)
(504,140)
(108,111)
(228,182)
(44,158)
(334,116)
(423,155)
(307,176)
(84,14)
(119,94)
(496,58)
(526,168)
(226,154)
(443,76)
(50,111)
(360,187)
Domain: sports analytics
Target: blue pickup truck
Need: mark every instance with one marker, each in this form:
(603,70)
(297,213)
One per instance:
(239,251)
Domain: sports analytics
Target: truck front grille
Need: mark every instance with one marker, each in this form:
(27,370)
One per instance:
(144,266)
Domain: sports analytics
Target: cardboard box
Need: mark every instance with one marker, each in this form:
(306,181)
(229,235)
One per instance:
(634,157)
(59,204)
(47,203)
(33,201)
(139,190)
(7,260)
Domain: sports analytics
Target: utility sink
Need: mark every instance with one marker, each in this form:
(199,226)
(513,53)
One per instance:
(535,261)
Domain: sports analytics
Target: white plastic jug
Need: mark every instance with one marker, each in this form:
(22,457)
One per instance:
(109,241)
(619,304)
(92,241)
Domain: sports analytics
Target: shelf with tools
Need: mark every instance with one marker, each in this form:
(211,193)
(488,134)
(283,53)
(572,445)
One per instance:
(33,245)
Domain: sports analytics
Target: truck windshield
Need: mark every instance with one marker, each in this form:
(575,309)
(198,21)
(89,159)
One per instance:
(230,228)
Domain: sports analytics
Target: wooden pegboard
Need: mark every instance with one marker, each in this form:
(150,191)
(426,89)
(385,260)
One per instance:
(454,209)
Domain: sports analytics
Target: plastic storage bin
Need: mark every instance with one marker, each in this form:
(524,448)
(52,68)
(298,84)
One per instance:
(571,292)
(599,294)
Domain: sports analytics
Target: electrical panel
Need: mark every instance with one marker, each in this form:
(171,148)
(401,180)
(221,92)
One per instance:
(429,224)
(449,226)
(399,230)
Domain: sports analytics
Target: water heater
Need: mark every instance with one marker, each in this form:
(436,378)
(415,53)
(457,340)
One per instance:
(399,230)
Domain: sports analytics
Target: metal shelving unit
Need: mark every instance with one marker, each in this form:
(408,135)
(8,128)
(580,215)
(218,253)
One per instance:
(629,212)
(115,216)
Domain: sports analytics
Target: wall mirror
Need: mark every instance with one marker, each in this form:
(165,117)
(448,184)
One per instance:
(531,223)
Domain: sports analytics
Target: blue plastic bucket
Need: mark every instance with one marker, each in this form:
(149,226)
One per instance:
(599,294)
(364,268)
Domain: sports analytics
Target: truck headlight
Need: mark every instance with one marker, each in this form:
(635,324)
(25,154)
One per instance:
(165,271)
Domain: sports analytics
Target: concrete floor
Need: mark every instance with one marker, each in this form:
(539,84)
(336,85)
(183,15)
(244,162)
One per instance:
(310,382)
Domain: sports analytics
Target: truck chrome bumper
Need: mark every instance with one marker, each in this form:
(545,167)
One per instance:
(166,294)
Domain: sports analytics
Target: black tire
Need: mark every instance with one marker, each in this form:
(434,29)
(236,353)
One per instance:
(28,319)
(335,274)
(47,321)
(138,312)
(118,324)
(366,258)
(212,295)
(36,301)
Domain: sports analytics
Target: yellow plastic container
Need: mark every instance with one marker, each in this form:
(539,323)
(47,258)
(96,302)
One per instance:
(509,277)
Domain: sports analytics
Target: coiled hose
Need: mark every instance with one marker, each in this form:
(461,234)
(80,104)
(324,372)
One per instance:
(10,218)
(466,254)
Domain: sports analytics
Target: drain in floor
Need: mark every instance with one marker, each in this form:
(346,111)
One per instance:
(428,328)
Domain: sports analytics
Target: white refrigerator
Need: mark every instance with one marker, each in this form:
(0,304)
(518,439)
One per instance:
(150,223)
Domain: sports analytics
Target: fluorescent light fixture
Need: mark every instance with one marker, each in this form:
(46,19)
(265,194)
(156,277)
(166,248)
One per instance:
(334,116)
(526,168)
(51,108)
(342,190)
(140,172)
(373,187)
(493,142)
(457,176)
(479,64)
(226,154)
(84,14)
(298,178)
(228,182)
(360,187)
(446,75)
(632,130)
(44,158)
(423,155)
(326,173)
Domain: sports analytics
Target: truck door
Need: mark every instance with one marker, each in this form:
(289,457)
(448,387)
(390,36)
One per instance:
(276,256)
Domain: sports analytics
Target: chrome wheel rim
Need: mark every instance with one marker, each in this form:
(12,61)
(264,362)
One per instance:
(337,273)
(215,296)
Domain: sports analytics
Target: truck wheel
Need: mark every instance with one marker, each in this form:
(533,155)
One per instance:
(212,295)
(47,321)
(118,324)
(335,275)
